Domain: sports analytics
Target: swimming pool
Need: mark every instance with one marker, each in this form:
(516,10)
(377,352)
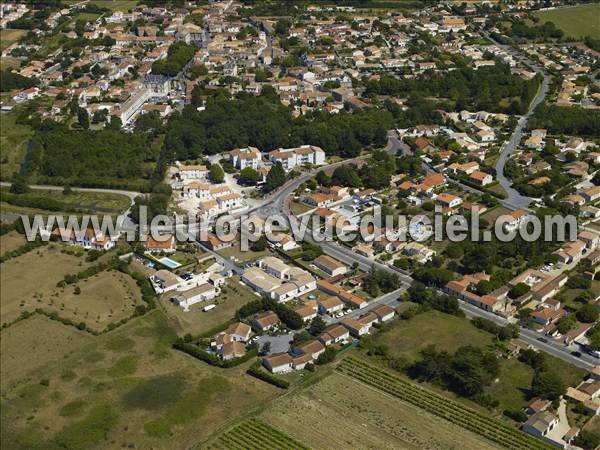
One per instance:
(169,263)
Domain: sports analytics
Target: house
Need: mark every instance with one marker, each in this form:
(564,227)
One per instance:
(292,157)
(591,194)
(546,316)
(467,168)
(245,157)
(278,363)
(277,280)
(534,142)
(330,305)
(419,252)
(448,200)
(308,311)
(364,250)
(265,321)
(287,243)
(194,172)
(481,178)
(540,424)
(537,405)
(430,183)
(320,199)
(162,244)
(347,297)
(239,332)
(514,219)
(355,327)
(312,348)
(383,312)
(570,252)
(591,239)
(232,350)
(165,281)
(88,238)
(334,334)
(212,242)
(330,266)
(197,294)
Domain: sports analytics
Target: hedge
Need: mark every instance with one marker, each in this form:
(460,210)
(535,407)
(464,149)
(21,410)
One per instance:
(211,358)
(256,371)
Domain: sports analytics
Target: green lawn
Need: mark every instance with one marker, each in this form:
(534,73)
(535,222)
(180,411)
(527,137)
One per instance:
(408,337)
(579,21)
(13,139)
(114,5)
(7,37)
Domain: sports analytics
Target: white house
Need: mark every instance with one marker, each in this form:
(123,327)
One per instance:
(292,157)
(278,363)
(245,157)
(195,172)
(195,295)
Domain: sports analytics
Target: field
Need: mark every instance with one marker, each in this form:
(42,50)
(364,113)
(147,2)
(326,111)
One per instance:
(243,256)
(7,37)
(27,282)
(578,21)
(11,241)
(340,412)
(24,354)
(408,338)
(114,5)
(13,138)
(98,202)
(255,432)
(454,412)
(195,321)
(126,388)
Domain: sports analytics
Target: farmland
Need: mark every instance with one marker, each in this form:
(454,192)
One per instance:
(110,391)
(358,416)
(254,432)
(456,413)
(578,21)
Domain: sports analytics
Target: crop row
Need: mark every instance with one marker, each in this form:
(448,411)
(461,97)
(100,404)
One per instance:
(452,411)
(255,434)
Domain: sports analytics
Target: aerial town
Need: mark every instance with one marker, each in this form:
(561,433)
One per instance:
(287,179)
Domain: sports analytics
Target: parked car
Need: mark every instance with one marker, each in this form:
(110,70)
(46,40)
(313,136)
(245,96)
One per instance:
(576,354)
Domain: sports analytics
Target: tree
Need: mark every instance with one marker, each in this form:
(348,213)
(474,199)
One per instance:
(19,186)
(589,440)
(587,313)
(547,384)
(67,190)
(114,123)
(266,348)
(83,118)
(518,290)
(260,245)
(249,175)
(275,177)
(317,326)
(327,356)
(216,173)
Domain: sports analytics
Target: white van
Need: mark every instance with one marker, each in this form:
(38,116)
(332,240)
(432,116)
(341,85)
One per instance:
(209,307)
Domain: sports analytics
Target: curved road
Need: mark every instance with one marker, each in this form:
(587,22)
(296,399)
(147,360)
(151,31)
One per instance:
(515,198)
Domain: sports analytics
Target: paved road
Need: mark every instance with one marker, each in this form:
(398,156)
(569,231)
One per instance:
(515,197)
